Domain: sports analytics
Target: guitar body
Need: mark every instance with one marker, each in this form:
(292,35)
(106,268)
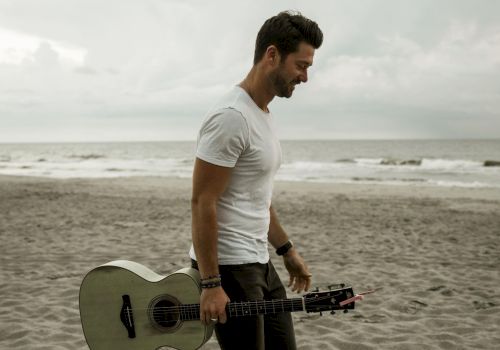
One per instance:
(122,307)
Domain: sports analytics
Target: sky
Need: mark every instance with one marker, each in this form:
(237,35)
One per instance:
(149,70)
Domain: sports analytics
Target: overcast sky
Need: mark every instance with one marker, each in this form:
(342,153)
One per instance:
(149,70)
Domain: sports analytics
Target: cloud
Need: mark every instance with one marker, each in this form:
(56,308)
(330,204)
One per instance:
(454,74)
(21,48)
(85,70)
(391,69)
(45,55)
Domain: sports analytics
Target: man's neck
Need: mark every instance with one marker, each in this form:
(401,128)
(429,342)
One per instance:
(258,87)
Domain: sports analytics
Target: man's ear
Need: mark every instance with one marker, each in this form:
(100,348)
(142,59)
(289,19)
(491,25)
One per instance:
(272,55)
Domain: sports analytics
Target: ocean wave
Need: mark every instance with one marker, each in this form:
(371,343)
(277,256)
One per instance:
(309,166)
(368,161)
(433,172)
(114,169)
(453,165)
(87,156)
(385,163)
(390,161)
(381,180)
(99,167)
(186,160)
(474,184)
(346,160)
(491,163)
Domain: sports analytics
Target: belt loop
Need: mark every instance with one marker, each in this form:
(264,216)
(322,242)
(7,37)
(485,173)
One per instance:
(194,264)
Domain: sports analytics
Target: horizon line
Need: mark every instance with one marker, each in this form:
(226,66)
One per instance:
(282,140)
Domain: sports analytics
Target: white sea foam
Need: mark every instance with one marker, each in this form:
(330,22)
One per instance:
(434,172)
(455,164)
(333,162)
(95,168)
(474,184)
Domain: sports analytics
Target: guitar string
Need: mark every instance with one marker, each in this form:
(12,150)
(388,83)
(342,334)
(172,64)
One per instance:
(252,303)
(233,307)
(194,308)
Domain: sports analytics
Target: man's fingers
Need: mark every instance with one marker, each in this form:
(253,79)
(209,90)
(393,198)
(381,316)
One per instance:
(205,318)
(213,306)
(297,285)
(300,283)
(222,315)
(208,316)
(308,283)
(222,318)
(304,284)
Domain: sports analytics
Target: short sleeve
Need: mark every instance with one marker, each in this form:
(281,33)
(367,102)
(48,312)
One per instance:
(223,137)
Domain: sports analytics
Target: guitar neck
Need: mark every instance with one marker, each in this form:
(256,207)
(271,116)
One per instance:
(247,308)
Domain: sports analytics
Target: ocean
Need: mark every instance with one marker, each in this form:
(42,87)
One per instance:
(460,163)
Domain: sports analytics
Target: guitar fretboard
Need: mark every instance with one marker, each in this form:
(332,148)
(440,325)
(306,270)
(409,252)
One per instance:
(247,308)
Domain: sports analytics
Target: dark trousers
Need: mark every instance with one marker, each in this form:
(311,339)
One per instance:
(251,282)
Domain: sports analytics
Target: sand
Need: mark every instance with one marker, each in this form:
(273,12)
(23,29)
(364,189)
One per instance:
(435,252)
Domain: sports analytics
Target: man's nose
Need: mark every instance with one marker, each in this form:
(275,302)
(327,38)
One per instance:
(303,76)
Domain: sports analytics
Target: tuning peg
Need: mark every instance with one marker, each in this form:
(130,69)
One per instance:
(332,312)
(321,313)
(346,311)
(316,290)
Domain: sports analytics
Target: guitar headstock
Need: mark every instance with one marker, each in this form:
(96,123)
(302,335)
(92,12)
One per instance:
(329,300)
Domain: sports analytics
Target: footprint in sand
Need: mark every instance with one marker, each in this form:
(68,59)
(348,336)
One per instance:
(483,305)
(414,306)
(376,318)
(447,292)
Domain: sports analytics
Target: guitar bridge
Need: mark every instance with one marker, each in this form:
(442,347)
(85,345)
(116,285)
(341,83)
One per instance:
(127,316)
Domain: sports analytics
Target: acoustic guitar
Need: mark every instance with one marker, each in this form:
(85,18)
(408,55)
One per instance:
(126,306)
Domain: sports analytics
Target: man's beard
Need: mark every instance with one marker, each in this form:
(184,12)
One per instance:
(280,85)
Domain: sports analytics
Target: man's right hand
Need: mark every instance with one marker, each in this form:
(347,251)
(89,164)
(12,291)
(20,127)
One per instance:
(213,303)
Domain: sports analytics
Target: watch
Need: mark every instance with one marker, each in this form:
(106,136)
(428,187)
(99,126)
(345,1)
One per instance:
(284,248)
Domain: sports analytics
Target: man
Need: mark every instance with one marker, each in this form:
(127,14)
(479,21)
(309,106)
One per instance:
(232,216)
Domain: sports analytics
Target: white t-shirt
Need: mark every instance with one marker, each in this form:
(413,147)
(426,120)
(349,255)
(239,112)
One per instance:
(236,133)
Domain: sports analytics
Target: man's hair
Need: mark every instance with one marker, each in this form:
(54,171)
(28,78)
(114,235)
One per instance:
(285,31)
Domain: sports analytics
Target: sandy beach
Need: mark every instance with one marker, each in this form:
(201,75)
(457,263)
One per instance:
(434,252)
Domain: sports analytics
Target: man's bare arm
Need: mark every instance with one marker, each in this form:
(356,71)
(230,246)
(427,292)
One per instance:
(277,235)
(209,182)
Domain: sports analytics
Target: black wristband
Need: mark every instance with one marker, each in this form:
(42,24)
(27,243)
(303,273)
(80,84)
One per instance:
(211,284)
(284,248)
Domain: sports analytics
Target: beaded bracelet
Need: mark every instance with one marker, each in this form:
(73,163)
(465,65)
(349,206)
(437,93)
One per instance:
(210,282)
(211,277)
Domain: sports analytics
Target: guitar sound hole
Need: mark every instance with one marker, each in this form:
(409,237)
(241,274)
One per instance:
(164,314)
